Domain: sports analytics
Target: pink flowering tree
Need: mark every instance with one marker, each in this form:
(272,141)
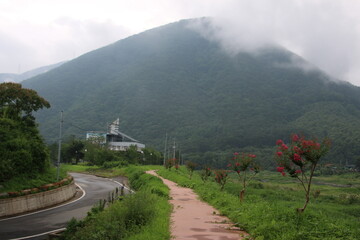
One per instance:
(299,160)
(205,173)
(221,177)
(190,166)
(246,168)
(171,162)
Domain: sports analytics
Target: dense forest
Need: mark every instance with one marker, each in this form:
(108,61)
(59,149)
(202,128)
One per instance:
(173,80)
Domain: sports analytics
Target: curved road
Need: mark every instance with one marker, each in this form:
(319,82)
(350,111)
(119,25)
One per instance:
(96,188)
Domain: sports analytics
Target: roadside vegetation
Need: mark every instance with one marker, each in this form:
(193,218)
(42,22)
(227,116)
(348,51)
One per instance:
(24,157)
(21,182)
(96,153)
(142,215)
(268,211)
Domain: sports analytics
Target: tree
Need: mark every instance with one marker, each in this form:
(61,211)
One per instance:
(299,159)
(357,163)
(190,166)
(205,173)
(152,156)
(16,101)
(22,150)
(221,177)
(132,155)
(74,150)
(245,165)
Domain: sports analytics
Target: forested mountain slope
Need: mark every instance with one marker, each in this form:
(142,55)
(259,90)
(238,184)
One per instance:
(171,79)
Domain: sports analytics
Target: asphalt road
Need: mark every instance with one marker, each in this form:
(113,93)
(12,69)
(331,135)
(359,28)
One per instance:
(96,188)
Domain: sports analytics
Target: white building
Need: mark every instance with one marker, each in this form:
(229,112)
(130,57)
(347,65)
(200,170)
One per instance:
(114,138)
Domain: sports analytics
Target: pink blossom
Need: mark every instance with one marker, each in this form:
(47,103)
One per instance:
(284,147)
(283,173)
(280,169)
(236,153)
(279,154)
(297,157)
(297,149)
(279,142)
(295,138)
(298,171)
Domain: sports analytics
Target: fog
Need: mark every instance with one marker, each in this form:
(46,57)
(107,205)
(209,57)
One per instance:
(324,32)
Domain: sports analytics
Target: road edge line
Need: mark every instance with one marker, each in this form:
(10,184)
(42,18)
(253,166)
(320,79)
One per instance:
(47,209)
(40,234)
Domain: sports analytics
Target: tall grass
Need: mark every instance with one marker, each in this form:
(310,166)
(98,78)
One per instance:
(268,211)
(143,215)
(32,181)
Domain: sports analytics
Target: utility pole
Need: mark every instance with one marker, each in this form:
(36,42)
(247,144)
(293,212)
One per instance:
(174,147)
(165,150)
(59,150)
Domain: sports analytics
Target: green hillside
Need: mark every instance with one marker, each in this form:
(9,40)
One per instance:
(171,79)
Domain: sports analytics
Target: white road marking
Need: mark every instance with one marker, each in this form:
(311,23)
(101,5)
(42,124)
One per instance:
(40,234)
(60,229)
(44,210)
(130,190)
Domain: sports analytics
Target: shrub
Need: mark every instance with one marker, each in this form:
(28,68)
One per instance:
(114,164)
(205,173)
(243,165)
(221,177)
(190,166)
(300,159)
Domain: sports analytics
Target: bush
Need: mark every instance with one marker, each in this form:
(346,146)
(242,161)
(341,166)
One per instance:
(121,219)
(114,164)
(141,181)
(143,215)
(22,150)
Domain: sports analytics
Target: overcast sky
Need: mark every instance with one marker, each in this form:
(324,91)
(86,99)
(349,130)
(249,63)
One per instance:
(34,33)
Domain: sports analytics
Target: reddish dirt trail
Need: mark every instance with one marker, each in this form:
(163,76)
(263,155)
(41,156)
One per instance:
(194,219)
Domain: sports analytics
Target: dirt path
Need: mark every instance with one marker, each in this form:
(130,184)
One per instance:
(194,219)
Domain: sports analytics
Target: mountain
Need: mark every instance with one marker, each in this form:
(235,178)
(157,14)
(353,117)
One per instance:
(173,80)
(12,77)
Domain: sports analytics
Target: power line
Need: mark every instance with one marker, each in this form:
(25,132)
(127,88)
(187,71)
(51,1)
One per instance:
(73,125)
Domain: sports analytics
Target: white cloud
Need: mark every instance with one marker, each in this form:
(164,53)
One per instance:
(324,32)
(41,32)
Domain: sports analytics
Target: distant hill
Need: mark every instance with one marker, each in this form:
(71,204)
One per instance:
(12,77)
(171,79)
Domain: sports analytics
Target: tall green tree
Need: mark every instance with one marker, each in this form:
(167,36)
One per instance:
(22,150)
(74,150)
(16,102)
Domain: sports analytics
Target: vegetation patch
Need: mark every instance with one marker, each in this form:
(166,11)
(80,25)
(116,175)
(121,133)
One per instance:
(268,210)
(19,184)
(142,215)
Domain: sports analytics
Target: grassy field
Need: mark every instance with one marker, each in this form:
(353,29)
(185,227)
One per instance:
(269,209)
(267,213)
(104,172)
